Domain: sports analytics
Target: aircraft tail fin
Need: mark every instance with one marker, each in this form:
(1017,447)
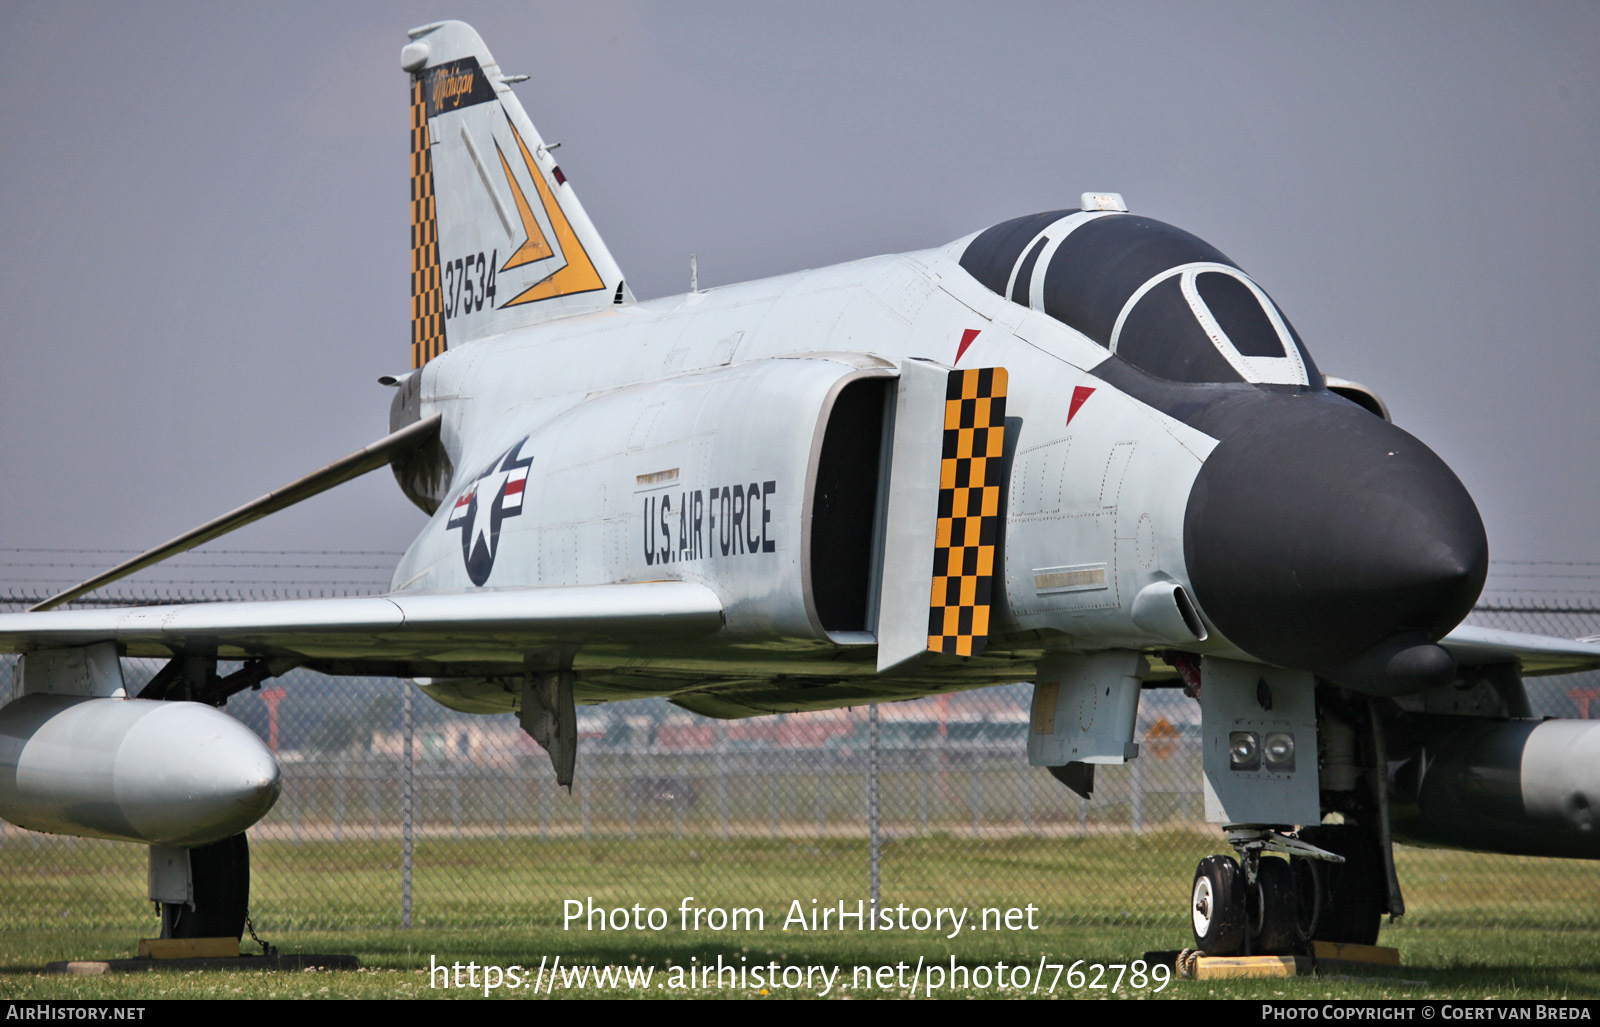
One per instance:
(498,238)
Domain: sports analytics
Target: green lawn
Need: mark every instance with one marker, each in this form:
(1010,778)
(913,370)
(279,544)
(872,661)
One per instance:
(1478,926)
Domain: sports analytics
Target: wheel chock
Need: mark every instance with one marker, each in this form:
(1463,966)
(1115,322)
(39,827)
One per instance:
(1325,957)
(188,948)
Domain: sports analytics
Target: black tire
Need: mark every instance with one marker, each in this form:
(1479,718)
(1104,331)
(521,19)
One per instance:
(1216,907)
(1276,927)
(1349,897)
(1310,885)
(221,874)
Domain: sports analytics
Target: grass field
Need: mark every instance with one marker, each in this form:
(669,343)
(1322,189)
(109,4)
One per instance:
(1478,926)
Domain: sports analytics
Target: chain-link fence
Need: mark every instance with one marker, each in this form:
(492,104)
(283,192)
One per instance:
(472,830)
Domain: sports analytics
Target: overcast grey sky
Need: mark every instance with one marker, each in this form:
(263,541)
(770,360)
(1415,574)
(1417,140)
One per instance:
(204,215)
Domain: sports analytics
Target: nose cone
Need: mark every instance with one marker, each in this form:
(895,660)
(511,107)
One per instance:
(1316,531)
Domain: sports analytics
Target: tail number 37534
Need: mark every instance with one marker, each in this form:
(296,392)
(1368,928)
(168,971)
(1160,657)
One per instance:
(469,283)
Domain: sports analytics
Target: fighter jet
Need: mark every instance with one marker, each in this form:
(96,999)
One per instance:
(1081,448)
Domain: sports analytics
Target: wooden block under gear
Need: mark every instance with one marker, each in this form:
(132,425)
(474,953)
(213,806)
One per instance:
(1214,968)
(1371,955)
(1326,956)
(188,948)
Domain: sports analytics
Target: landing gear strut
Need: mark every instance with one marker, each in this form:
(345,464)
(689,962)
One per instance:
(1329,889)
(221,876)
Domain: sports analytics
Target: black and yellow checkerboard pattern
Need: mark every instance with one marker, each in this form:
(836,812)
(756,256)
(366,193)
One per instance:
(427,298)
(969,511)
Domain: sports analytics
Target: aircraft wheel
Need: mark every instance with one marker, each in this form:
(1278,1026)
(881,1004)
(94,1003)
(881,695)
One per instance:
(1275,921)
(1346,899)
(221,873)
(1217,906)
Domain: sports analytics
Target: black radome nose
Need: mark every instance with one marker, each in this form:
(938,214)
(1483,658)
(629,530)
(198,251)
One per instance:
(1317,533)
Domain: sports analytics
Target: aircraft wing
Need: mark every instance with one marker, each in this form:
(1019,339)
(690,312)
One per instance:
(1538,654)
(386,632)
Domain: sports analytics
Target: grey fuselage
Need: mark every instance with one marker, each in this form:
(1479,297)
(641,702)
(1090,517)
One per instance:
(680,438)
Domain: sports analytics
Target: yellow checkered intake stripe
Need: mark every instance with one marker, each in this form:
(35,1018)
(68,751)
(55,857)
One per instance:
(969,511)
(427,297)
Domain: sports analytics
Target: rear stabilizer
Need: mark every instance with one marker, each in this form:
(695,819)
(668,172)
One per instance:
(498,238)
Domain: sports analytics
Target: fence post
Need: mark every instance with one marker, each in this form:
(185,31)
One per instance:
(772,804)
(1027,798)
(924,757)
(544,807)
(504,802)
(373,800)
(340,773)
(406,771)
(822,821)
(722,777)
(588,819)
(455,799)
(632,786)
(1138,796)
(874,846)
(679,798)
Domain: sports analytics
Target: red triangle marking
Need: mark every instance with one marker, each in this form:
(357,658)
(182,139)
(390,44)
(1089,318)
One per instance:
(1079,394)
(966,340)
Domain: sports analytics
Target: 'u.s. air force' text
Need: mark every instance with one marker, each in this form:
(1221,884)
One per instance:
(693,524)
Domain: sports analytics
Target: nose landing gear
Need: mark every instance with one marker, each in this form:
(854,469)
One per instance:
(1261,905)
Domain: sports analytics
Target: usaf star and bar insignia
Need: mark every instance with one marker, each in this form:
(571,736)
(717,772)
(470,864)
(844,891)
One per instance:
(488,500)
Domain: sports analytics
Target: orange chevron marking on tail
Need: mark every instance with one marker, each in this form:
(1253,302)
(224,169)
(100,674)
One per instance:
(579,275)
(536,247)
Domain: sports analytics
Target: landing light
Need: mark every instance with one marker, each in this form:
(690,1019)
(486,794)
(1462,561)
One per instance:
(1244,750)
(1248,751)
(1280,751)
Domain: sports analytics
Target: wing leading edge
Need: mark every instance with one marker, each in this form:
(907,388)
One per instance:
(386,633)
(1537,654)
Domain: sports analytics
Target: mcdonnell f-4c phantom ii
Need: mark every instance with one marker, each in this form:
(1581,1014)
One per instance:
(1081,448)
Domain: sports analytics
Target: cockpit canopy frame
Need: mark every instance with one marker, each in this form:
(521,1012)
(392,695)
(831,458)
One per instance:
(1165,301)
